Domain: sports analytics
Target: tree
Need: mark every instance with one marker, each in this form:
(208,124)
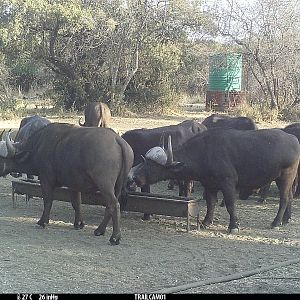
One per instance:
(95,48)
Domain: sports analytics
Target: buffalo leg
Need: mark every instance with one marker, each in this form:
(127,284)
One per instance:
(48,200)
(112,210)
(263,191)
(229,195)
(171,184)
(288,211)
(146,189)
(102,227)
(76,203)
(211,200)
(284,190)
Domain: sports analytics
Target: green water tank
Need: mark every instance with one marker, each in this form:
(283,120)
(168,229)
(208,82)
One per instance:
(225,72)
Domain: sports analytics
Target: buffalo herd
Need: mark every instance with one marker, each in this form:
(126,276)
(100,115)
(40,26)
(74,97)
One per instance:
(224,153)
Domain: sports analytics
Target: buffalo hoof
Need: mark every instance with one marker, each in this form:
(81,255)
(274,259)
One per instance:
(233,230)
(261,201)
(146,217)
(115,240)
(275,225)
(205,225)
(99,232)
(285,222)
(79,225)
(39,225)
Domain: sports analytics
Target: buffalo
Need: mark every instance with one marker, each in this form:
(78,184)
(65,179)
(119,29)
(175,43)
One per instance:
(141,140)
(293,129)
(83,159)
(97,114)
(228,161)
(228,122)
(27,127)
(293,125)
(222,121)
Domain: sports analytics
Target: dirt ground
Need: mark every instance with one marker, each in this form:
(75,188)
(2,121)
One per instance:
(152,255)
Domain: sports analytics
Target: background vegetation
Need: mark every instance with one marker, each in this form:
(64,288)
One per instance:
(147,55)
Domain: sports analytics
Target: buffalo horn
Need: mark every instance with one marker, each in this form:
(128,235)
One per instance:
(1,135)
(79,122)
(169,151)
(11,150)
(162,141)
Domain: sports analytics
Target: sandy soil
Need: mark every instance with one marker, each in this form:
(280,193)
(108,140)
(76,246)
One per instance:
(152,255)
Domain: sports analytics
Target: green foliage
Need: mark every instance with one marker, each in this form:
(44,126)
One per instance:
(130,52)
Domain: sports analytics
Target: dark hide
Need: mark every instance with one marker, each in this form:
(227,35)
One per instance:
(97,114)
(141,140)
(293,129)
(232,161)
(227,122)
(293,125)
(28,126)
(83,159)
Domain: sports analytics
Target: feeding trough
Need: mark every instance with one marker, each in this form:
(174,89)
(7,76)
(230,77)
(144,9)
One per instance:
(136,202)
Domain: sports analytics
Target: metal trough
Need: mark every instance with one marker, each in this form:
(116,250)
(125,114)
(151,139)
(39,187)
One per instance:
(136,202)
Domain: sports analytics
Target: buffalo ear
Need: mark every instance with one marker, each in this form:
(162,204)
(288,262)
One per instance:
(22,156)
(1,135)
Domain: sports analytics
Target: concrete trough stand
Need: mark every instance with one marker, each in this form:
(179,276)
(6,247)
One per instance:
(136,202)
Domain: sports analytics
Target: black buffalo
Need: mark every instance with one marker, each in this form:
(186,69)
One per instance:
(293,125)
(230,161)
(83,159)
(27,127)
(228,122)
(293,129)
(221,121)
(141,140)
(97,114)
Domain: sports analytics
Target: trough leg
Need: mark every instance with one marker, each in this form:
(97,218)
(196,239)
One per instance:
(188,222)
(27,197)
(146,189)
(13,196)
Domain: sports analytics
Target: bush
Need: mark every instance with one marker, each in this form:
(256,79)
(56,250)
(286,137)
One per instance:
(257,112)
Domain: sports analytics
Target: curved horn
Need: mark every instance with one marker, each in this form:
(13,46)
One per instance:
(169,151)
(101,123)
(79,122)
(162,141)
(1,135)
(11,150)
(101,119)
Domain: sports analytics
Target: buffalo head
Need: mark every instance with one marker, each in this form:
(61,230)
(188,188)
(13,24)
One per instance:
(158,164)
(7,147)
